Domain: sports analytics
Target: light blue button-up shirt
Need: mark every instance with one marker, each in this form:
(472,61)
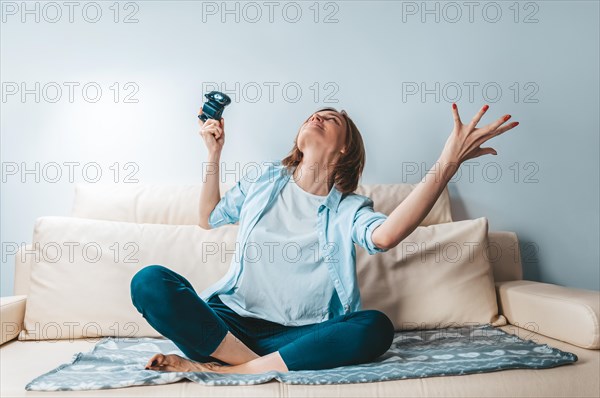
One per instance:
(342,221)
(288,284)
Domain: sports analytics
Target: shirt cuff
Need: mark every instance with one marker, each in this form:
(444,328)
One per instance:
(371,248)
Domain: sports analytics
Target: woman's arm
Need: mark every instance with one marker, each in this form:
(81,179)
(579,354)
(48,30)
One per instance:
(211,194)
(407,216)
(213,133)
(464,143)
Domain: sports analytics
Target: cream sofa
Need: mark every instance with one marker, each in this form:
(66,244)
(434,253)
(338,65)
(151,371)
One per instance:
(562,317)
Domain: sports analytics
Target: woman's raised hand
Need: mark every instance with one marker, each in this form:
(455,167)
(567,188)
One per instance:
(213,133)
(465,140)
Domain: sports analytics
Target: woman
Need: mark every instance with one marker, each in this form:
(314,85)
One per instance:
(298,312)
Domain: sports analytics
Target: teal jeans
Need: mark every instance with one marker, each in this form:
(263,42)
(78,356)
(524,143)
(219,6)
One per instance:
(170,305)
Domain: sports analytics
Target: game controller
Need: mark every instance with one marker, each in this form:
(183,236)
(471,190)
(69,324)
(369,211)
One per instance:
(213,108)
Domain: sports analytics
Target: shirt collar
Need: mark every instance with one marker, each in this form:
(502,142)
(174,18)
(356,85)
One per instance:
(333,198)
(332,201)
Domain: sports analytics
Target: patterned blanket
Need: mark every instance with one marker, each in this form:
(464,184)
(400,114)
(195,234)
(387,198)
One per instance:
(119,362)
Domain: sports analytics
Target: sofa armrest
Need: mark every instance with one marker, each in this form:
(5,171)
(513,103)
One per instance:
(568,314)
(12,313)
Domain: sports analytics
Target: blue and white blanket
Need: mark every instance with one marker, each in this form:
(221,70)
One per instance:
(119,362)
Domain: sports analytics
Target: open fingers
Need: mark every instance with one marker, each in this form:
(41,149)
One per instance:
(479,115)
(457,120)
(483,138)
(496,128)
(504,128)
(492,127)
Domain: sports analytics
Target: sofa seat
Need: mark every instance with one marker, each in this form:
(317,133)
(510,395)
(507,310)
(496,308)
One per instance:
(21,361)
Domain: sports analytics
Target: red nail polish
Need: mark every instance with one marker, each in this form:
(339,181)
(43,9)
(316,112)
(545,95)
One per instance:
(485,107)
(515,123)
(453,106)
(506,117)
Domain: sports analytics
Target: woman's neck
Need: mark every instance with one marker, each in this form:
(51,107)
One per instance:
(312,176)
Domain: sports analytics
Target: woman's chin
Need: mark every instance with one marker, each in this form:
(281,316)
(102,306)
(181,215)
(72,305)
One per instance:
(313,131)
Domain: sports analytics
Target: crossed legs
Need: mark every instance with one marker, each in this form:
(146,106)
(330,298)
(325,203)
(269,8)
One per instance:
(171,306)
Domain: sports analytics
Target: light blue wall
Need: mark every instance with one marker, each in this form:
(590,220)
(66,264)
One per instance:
(544,60)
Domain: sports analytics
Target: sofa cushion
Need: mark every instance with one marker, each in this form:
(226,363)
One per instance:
(505,255)
(438,276)
(141,203)
(179,204)
(386,197)
(81,271)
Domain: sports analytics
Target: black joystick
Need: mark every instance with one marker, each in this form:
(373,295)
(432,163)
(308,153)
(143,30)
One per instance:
(213,108)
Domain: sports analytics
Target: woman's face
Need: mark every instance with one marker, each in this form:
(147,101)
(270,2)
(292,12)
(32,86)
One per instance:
(324,129)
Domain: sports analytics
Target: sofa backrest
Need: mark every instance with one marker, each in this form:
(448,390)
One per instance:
(504,256)
(178,204)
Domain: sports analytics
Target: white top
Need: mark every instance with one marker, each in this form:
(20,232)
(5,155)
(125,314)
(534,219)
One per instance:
(283,277)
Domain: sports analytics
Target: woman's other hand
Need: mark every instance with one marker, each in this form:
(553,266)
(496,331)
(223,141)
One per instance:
(465,140)
(213,133)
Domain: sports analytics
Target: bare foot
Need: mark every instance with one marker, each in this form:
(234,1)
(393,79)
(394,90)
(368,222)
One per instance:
(176,363)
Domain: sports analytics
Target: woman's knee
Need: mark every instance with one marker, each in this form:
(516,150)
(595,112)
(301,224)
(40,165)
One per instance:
(380,331)
(146,283)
